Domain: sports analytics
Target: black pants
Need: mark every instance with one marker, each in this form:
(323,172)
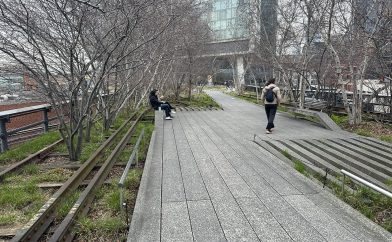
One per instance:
(270,110)
(167,107)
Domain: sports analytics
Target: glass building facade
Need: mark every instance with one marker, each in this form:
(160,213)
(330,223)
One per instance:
(229,19)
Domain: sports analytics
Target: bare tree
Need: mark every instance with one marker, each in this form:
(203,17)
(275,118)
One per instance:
(81,53)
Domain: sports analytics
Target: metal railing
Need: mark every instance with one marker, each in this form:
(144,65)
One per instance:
(5,117)
(134,156)
(372,186)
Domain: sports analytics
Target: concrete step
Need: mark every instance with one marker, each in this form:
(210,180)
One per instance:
(370,155)
(379,146)
(276,149)
(355,155)
(380,152)
(378,142)
(352,162)
(294,147)
(342,165)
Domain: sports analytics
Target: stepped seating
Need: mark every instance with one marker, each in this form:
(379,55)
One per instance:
(364,157)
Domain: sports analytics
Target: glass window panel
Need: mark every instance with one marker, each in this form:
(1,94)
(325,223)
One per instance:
(221,15)
(214,16)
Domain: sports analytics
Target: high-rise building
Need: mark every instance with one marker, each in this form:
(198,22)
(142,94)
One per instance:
(236,25)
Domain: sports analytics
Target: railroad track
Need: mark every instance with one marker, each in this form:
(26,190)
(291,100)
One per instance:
(36,157)
(36,228)
(28,134)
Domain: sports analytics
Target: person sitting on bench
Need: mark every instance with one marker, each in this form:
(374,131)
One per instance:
(156,104)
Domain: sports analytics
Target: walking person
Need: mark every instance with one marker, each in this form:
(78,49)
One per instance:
(156,104)
(271,98)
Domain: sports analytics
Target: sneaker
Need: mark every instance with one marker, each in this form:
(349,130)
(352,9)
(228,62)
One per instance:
(268,132)
(173,111)
(168,118)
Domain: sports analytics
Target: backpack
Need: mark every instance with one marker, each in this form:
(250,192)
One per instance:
(270,95)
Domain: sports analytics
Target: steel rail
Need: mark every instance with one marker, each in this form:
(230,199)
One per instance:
(363,181)
(31,158)
(82,205)
(37,226)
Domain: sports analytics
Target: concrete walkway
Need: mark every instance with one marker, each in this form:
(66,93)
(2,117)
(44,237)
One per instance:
(205,180)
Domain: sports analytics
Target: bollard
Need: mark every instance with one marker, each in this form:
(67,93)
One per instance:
(3,134)
(46,121)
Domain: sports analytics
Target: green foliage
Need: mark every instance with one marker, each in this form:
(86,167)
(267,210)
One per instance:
(386,138)
(372,204)
(22,151)
(201,100)
(30,169)
(112,199)
(67,204)
(8,218)
(246,97)
(287,154)
(299,166)
(53,175)
(104,226)
(340,119)
(88,150)
(389,182)
(282,108)
(133,178)
(19,196)
(61,148)
(364,132)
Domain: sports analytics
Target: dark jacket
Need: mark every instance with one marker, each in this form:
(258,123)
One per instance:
(155,103)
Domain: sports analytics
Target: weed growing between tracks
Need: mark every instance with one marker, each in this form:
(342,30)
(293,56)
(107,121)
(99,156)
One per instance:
(106,222)
(19,202)
(20,196)
(373,205)
(22,151)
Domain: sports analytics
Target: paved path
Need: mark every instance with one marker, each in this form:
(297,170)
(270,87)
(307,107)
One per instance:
(207,181)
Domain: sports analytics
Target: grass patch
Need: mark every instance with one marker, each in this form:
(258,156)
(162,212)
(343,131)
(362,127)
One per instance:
(22,151)
(299,166)
(389,182)
(88,150)
(245,96)
(30,169)
(251,97)
(282,108)
(107,219)
(19,196)
(201,100)
(373,205)
(90,229)
(366,128)
(364,132)
(386,138)
(67,204)
(287,154)
(8,217)
(339,119)
(53,175)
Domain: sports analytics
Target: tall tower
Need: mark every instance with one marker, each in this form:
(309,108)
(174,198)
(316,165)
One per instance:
(234,27)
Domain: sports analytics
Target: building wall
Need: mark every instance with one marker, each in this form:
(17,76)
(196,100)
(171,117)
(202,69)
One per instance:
(229,19)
